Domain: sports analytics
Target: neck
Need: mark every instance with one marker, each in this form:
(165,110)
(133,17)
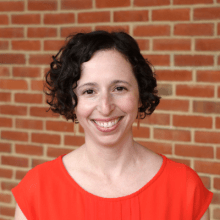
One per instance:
(110,161)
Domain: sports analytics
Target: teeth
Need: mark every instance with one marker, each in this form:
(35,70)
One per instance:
(107,124)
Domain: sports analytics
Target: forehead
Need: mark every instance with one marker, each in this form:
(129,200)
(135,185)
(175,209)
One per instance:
(107,63)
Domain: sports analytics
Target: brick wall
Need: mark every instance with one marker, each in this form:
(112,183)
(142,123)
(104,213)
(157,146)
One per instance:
(180,37)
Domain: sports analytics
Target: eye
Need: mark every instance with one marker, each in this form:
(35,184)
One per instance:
(88,91)
(120,88)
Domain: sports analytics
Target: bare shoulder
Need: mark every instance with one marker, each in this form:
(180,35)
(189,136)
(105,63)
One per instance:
(19,215)
(150,159)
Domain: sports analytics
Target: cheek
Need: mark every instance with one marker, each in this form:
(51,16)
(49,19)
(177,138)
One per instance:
(129,104)
(83,109)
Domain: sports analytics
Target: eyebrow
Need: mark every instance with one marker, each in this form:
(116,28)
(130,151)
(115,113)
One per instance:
(112,83)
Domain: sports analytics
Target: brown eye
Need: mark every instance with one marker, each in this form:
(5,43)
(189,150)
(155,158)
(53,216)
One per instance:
(89,92)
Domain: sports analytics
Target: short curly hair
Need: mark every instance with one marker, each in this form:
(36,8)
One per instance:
(65,70)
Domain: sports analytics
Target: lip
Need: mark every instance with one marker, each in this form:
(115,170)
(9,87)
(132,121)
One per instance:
(107,120)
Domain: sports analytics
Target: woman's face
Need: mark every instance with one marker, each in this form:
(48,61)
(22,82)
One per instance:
(108,98)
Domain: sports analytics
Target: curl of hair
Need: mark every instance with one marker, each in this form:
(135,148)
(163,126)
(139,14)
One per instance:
(65,70)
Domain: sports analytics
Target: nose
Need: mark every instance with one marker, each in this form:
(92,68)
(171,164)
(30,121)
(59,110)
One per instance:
(106,104)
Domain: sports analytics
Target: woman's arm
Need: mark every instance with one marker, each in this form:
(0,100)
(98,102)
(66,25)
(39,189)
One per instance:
(19,214)
(206,215)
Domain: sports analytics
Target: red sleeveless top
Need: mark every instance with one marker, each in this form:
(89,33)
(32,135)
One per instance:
(175,193)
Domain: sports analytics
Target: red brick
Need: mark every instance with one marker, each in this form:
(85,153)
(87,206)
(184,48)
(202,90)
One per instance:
(60,18)
(217,125)
(53,44)
(152,30)
(12,58)
(40,59)
(206,13)
(172,135)
(173,105)
(216,198)
(5,97)
(74,140)
(184,161)
(206,107)
(193,60)
(56,152)
(160,148)
(218,153)
(26,45)
(42,32)
(5,122)
(206,181)
(191,2)
(172,44)
(28,98)
(112,3)
(26,72)
(4,45)
(141,132)
(217,184)
(124,16)
(144,44)
(194,151)
(151,2)
(194,29)
(158,60)
(165,89)
(75,4)
(26,19)
(8,185)
(94,17)
(216,213)
(42,112)
(60,126)
(15,161)
(11,32)
(4,71)
(13,84)
(157,119)
(37,85)
(41,5)
(45,138)
(195,90)
(66,31)
(207,167)
(207,137)
(4,19)
(218,60)
(6,173)
(219,92)
(5,198)
(12,6)
(20,174)
(7,211)
(5,147)
(218,28)
(174,75)
(182,14)
(14,135)
(29,149)
(116,28)
(36,162)
(13,110)
(207,44)
(211,76)
(192,121)
(29,124)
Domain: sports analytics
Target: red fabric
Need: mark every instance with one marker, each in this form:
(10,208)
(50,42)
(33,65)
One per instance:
(49,192)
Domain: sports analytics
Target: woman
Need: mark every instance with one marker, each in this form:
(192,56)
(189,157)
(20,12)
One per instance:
(103,81)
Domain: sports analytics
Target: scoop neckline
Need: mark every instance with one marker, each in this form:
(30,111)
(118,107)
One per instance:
(129,196)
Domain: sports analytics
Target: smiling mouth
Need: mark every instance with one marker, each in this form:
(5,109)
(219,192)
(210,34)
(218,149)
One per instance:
(108,124)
